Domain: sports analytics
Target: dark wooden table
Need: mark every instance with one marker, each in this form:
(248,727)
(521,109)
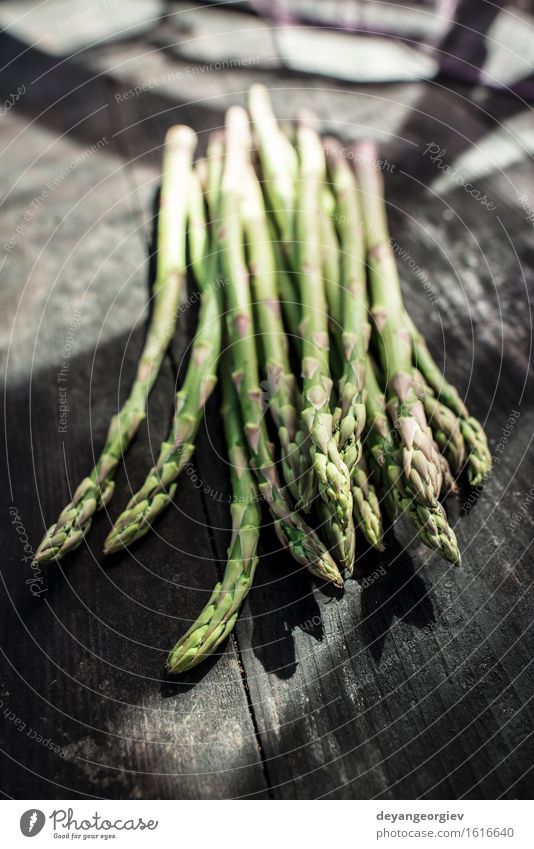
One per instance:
(415,684)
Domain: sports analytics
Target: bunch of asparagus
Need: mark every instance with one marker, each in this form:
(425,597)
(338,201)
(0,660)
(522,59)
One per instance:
(288,242)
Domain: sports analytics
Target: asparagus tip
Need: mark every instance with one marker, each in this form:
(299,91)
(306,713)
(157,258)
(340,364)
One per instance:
(238,127)
(181,136)
(308,119)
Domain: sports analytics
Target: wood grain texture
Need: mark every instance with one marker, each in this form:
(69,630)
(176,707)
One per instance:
(416,682)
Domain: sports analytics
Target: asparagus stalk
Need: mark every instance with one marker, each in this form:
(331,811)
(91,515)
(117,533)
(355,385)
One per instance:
(217,619)
(281,387)
(397,493)
(198,232)
(214,173)
(176,451)
(288,295)
(280,171)
(367,512)
(303,487)
(330,260)
(352,314)
(420,456)
(445,429)
(96,489)
(300,476)
(302,542)
(332,474)
(279,162)
(366,504)
(478,457)
(449,485)
(345,284)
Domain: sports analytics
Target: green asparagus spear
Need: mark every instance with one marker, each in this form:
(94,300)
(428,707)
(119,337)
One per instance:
(367,512)
(352,315)
(396,492)
(279,163)
(278,160)
(302,542)
(347,302)
(478,459)
(95,491)
(330,261)
(288,296)
(332,474)
(220,614)
(446,431)
(176,451)
(449,485)
(281,386)
(420,456)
